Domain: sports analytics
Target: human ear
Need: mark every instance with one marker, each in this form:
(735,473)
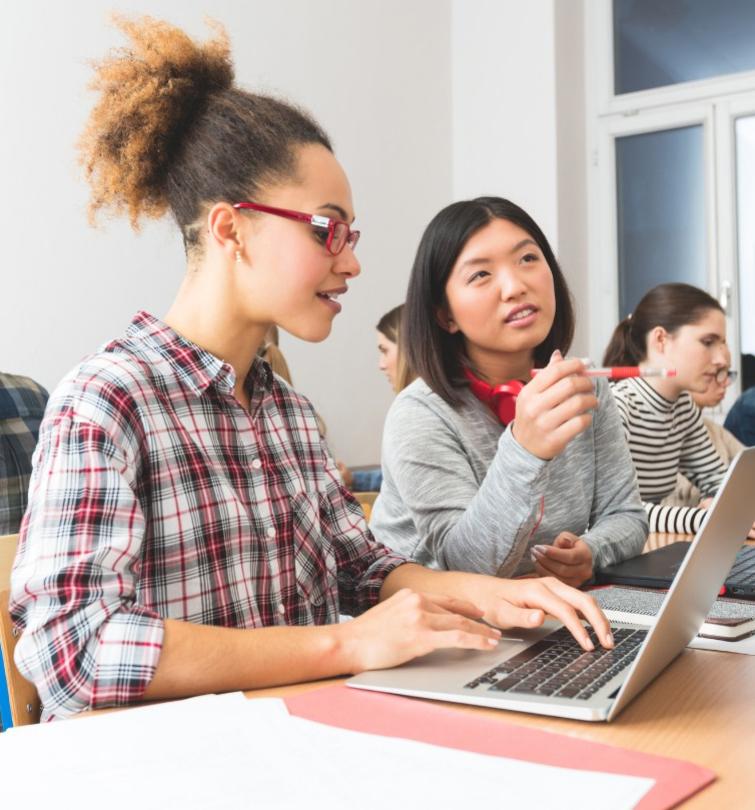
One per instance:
(658,340)
(223,229)
(445,320)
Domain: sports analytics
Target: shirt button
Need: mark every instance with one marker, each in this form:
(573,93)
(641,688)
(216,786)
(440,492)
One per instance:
(271,532)
(282,609)
(256,464)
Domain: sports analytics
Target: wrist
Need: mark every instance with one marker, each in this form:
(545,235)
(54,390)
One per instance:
(344,647)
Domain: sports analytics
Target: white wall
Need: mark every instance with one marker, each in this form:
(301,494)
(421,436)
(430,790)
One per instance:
(375,73)
(518,120)
(504,110)
(426,101)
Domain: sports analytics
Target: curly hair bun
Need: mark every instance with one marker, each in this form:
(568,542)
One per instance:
(150,93)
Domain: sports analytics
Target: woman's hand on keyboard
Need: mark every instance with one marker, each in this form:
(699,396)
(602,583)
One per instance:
(510,605)
(409,624)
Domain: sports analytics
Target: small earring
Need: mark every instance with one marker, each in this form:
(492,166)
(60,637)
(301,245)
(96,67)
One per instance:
(238,257)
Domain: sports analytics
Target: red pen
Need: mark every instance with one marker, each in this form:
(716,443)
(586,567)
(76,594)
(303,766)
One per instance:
(623,372)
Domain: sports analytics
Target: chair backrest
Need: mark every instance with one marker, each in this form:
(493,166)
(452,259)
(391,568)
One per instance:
(20,695)
(366,499)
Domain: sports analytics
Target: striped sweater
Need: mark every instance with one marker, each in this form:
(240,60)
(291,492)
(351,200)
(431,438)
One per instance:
(665,438)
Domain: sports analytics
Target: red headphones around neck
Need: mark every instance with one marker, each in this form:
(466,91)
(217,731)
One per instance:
(501,399)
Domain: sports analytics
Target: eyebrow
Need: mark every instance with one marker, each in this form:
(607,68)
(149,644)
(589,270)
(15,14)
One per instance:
(340,211)
(485,260)
(523,243)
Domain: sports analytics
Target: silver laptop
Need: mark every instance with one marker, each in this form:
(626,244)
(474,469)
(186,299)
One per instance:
(545,671)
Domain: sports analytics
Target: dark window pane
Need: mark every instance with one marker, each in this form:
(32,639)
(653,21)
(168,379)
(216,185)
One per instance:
(660,186)
(661,42)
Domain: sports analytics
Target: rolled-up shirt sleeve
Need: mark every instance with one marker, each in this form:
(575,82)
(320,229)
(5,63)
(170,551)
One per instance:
(85,642)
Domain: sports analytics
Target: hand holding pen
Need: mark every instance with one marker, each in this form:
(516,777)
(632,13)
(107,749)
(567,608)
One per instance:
(554,407)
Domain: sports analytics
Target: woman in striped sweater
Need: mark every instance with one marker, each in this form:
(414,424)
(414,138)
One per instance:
(681,327)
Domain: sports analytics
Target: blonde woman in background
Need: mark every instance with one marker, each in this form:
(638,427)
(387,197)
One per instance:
(392,356)
(393,364)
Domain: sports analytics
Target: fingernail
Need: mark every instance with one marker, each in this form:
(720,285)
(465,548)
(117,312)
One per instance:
(492,642)
(539,549)
(534,617)
(556,355)
(609,639)
(590,646)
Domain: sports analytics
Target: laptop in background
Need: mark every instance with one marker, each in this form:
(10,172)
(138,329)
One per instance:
(545,671)
(657,569)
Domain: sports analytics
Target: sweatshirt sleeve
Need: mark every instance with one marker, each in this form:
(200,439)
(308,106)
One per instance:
(462,524)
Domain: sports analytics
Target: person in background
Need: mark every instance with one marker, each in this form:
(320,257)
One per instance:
(22,405)
(740,420)
(187,530)
(392,362)
(680,327)
(487,467)
(727,445)
(270,352)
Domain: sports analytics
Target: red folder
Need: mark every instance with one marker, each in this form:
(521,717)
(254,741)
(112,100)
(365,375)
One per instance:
(413,719)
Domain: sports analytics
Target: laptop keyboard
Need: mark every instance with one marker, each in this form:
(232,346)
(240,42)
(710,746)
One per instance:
(557,666)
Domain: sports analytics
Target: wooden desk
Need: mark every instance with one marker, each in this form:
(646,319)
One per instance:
(701,709)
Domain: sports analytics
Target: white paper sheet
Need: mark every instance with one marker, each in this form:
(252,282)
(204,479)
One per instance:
(227,752)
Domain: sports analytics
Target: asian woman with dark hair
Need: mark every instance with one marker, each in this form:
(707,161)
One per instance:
(485,467)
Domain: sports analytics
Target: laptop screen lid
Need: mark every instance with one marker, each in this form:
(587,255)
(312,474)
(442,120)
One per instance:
(699,579)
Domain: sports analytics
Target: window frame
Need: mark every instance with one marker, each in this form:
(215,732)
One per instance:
(715,104)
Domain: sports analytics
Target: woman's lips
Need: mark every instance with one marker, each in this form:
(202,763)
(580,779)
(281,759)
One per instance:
(522,317)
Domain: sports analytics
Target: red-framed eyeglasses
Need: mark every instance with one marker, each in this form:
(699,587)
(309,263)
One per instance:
(339,234)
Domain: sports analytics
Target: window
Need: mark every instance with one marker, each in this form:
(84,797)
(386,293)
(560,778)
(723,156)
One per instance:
(664,42)
(672,134)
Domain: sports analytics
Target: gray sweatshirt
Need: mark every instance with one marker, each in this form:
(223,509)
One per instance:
(460,493)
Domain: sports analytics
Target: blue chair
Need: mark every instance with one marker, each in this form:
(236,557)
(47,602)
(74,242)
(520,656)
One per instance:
(19,702)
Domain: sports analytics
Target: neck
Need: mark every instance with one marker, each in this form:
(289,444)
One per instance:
(668,387)
(665,386)
(500,367)
(207,313)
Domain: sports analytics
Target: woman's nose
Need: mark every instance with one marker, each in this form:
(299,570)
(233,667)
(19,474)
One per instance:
(347,262)
(510,284)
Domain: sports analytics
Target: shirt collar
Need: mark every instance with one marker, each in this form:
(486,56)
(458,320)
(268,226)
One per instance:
(656,401)
(197,368)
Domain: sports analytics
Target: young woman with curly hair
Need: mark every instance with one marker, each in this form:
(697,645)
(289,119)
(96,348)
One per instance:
(187,530)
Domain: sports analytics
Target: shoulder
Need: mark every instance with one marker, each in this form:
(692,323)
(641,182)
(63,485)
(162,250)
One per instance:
(111,389)
(21,397)
(418,404)
(625,390)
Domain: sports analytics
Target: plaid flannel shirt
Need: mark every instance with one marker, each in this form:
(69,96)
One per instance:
(22,405)
(156,495)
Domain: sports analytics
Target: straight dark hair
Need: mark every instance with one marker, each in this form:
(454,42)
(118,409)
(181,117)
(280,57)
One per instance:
(668,305)
(434,354)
